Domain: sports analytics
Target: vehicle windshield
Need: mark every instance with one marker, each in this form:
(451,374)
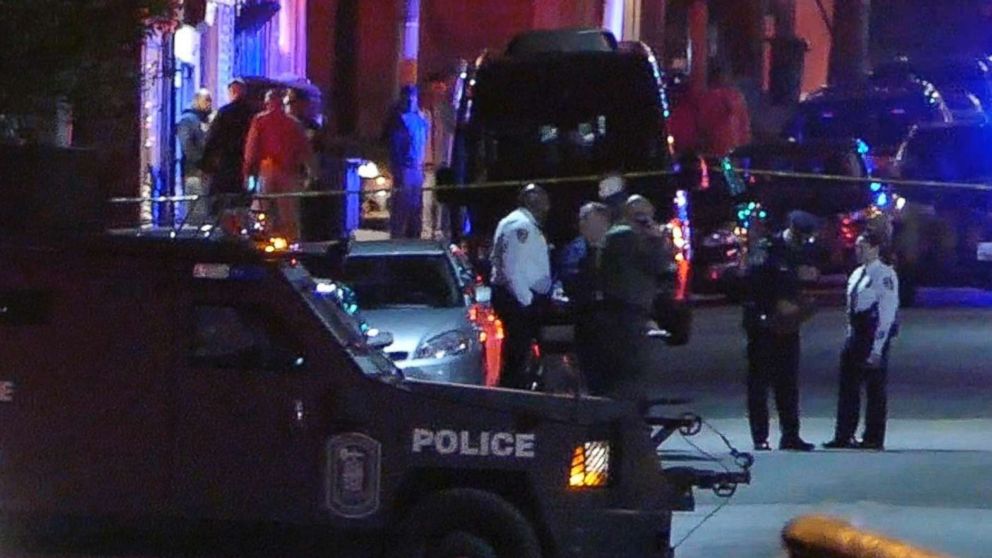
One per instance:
(345,327)
(881,122)
(567,115)
(403,281)
(951,154)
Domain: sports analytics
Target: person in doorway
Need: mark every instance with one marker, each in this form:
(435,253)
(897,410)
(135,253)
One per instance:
(406,132)
(635,255)
(278,152)
(579,275)
(521,279)
(223,153)
(774,311)
(297,105)
(872,305)
(192,133)
(441,120)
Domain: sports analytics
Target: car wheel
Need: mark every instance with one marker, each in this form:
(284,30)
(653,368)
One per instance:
(463,545)
(465,522)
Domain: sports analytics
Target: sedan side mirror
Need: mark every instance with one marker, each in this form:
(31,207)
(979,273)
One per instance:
(379,339)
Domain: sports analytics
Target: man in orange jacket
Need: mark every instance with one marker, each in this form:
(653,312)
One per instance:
(278,152)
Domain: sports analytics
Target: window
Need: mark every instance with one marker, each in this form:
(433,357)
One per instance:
(425,281)
(25,307)
(230,337)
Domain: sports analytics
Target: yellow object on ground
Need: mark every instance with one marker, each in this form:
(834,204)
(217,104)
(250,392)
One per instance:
(816,536)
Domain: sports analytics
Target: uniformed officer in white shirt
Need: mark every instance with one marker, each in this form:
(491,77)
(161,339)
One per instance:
(872,304)
(521,278)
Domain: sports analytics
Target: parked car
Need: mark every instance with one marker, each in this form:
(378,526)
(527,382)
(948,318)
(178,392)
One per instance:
(945,233)
(879,115)
(425,297)
(729,206)
(971,74)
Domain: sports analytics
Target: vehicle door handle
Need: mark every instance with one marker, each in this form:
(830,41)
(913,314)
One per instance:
(299,416)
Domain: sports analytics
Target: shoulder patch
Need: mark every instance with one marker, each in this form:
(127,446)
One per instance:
(522,235)
(888,283)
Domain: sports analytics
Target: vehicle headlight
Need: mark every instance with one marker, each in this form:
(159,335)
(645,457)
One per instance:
(590,465)
(447,344)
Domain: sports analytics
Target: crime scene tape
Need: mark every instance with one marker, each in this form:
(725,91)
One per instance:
(506,184)
(817,536)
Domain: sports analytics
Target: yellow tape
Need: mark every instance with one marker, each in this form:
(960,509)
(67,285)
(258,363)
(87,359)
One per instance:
(826,537)
(581,178)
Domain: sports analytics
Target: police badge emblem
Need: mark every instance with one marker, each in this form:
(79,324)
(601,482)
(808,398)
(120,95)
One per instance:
(353,471)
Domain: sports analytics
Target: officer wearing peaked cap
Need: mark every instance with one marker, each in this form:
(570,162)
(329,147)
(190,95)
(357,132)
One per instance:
(774,311)
(521,279)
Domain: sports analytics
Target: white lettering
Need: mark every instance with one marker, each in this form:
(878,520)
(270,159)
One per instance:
(484,444)
(464,442)
(421,439)
(502,444)
(6,392)
(465,445)
(524,446)
(446,442)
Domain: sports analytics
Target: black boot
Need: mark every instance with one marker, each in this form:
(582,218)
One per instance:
(795,444)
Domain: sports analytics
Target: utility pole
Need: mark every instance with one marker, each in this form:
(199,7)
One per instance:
(409,43)
(849,50)
(699,18)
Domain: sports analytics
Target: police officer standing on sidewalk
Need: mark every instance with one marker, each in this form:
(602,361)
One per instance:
(521,279)
(774,311)
(872,304)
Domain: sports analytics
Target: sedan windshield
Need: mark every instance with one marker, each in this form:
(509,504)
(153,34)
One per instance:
(391,281)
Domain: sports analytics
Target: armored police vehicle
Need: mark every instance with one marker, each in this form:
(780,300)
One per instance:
(167,395)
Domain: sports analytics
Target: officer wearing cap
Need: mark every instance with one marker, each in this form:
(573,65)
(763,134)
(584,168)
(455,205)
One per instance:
(521,279)
(872,304)
(774,311)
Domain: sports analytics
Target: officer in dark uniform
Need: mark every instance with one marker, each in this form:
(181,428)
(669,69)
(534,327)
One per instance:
(635,254)
(872,304)
(579,274)
(774,310)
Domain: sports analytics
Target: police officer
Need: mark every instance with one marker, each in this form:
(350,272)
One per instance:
(773,314)
(579,274)
(521,279)
(635,254)
(872,303)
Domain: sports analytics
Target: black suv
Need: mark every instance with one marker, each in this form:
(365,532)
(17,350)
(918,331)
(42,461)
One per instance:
(879,115)
(944,235)
(562,109)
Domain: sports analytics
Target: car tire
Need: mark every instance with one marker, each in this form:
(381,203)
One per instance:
(461,544)
(465,519)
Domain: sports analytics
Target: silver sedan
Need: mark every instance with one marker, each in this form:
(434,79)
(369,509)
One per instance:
(423,296)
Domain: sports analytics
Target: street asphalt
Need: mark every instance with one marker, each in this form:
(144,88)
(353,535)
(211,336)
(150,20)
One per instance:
(933,485)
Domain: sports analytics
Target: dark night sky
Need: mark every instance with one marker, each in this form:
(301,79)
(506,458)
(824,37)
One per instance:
(935,27)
